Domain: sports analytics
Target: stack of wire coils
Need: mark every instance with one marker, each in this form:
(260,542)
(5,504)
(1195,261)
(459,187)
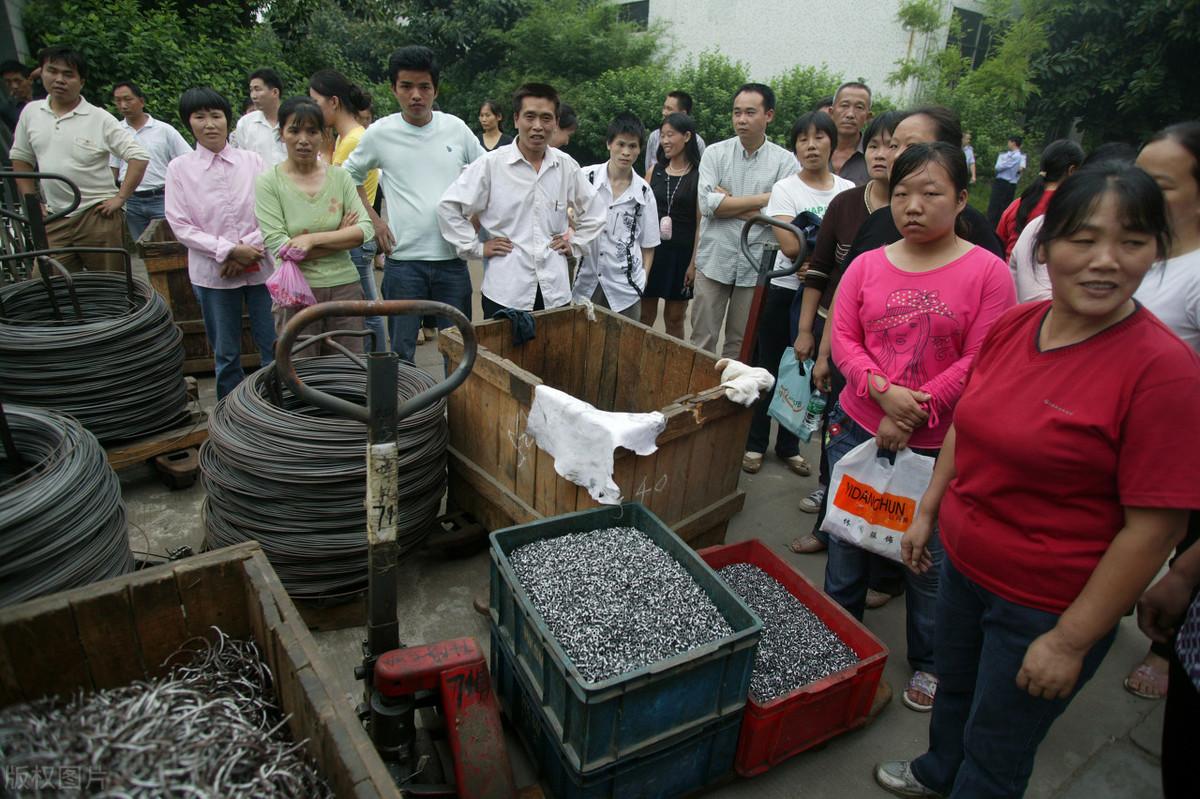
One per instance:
(293,477)
(117,367)
(62,522)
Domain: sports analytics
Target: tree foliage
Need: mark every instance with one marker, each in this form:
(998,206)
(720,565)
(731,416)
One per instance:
(1121,69)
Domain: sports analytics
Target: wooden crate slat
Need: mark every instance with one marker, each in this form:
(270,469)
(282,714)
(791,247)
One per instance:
(158,617)
(629,368)
(107,632)
(48,658)
(677,373)
(648,383)
(213,596)
(606,392)
(597,333)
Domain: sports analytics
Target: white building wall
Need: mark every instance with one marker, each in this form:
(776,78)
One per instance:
(859,39)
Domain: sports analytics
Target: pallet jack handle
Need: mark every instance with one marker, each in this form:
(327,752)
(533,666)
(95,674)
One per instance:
(765,274)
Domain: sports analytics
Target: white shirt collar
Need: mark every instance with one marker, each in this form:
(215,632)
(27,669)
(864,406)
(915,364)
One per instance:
(633,191)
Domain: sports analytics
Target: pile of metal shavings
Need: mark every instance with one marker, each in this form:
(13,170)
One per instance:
(615,600)
(796,647)
(210,728)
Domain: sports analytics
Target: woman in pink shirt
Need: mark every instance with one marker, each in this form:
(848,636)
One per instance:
(907,321)
(210,208)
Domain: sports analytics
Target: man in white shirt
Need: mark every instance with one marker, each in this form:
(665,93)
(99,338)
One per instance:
(736,177)
(677,102)
(420,152)
(520,194)
(258,131)
(613,270)
(160,140)
(66,135)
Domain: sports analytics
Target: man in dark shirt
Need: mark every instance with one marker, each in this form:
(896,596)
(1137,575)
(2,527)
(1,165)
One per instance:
(19,87)
(851,112)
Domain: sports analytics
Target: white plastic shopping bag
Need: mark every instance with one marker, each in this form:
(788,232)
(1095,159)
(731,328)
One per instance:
(872,501)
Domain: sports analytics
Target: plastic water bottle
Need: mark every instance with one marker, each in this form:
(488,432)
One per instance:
(812,416)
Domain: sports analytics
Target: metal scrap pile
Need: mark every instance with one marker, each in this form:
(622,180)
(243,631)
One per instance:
(796,647)
(615,600)
(210,728)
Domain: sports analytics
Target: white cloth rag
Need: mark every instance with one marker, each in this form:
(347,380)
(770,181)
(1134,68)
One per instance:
(582,438)
(744,383)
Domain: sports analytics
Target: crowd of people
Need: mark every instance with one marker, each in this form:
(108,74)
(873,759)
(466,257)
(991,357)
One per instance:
(1045,354)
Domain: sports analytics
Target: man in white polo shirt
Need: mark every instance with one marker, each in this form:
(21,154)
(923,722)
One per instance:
(66,135)
(258,131)
(160,140)
(420,152)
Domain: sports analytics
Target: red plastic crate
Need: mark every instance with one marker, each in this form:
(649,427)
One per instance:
(787,725)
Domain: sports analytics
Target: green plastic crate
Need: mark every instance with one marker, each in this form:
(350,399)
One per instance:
(599,723)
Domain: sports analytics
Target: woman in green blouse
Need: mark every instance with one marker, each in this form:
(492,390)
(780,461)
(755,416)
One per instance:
(311,207)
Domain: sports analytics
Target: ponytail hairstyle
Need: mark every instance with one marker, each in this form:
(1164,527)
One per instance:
(1058,160)
(331,83)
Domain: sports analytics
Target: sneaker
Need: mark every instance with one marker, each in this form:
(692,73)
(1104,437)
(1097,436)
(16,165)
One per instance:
(813,502)
(896,776)
(877,599)
(752,462)
(799,465)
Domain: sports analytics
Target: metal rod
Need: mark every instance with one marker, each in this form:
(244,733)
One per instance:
(16,464)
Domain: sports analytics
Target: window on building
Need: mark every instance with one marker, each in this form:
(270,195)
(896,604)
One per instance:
(974,35)
(637,12)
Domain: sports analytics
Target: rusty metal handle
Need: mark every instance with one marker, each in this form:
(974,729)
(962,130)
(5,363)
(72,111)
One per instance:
(763,219)
(287,371)
(76,197)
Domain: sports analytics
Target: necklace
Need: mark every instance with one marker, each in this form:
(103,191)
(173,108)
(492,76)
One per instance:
(665,226)
(686,169)
(867,199)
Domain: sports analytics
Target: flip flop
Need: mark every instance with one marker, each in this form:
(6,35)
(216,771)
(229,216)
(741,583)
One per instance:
(806,545)
(923,683)
(1147,676)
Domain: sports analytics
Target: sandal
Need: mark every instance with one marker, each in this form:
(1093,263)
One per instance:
(1147,675)
(807,545)
(924,684)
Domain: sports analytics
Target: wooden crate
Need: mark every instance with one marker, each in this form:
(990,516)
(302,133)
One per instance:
(500,476)
(166,264)
(113,632)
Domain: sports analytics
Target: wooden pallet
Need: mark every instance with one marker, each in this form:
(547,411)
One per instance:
(192,433)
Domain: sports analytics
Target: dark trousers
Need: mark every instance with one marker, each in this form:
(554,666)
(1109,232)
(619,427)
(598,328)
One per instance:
(490,307)
(222,311)
(1179,776)
(1165,651)
(447,281)
(1002,197)
(985,731)
(772,340)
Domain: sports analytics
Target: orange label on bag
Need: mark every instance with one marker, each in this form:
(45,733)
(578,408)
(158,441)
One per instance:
(886,510)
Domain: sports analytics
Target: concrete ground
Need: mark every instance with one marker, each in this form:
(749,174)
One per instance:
(1106,745)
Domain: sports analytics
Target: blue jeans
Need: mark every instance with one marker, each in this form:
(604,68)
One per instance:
(985,731)
(222,309)
(441,281)
(849,569)
(140,210)
(364,261)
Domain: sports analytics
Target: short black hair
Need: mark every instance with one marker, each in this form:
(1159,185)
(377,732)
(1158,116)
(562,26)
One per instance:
(542,91)
(684,100)
(1017,139)
(626,123)
(884,123)
(304,109)
(566,117)
(69,56)
(413,58)
(133,87)
(203,98)
(813,119)
(761,89)
(14,66)
(269,77)
(1140,202)
(823,103)
(946,120)
(948,156)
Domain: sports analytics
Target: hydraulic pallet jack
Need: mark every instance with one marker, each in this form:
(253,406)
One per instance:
(449,680)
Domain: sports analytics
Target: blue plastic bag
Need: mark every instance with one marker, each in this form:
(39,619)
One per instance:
(792,393)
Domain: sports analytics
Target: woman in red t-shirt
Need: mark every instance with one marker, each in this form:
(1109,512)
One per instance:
(1059,493)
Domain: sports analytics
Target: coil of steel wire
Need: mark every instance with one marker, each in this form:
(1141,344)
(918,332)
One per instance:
(118,370)
(62,521)
(293,478)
